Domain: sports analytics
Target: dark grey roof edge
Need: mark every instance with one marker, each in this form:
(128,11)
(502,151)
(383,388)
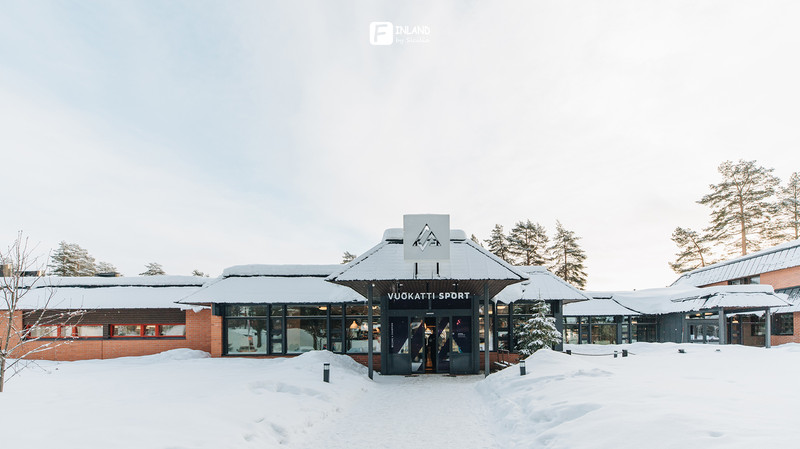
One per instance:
(766,252)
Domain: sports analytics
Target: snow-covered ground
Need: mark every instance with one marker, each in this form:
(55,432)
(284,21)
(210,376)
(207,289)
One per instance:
(734,397)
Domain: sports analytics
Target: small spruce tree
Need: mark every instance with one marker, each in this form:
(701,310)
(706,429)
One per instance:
(153,269)
(199,273)
(539,331)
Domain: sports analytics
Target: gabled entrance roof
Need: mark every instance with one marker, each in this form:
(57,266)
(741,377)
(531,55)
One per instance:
(469,267)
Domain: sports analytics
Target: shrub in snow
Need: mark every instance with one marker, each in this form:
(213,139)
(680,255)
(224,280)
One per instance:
(539,331)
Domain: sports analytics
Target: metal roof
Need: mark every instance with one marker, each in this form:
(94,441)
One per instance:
(785,255)
(659,301)
(470,266)
(542,284)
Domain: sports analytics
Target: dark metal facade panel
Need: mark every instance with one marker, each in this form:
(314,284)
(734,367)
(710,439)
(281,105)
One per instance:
(108,316)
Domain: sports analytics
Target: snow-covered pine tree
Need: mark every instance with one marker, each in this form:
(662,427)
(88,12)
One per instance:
(104,267)
(789,199)
(71,260)
(567,257)
(199,273)
(694,251)
(153,269)
(539,331)
(475,239)
(498,243)
(741,206)
(348,257)
(527,243)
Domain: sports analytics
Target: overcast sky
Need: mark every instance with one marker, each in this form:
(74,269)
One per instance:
(209,134)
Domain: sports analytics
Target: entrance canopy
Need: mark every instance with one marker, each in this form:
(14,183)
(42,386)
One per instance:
(470,267)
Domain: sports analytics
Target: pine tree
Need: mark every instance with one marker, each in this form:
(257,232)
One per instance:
(567,257)
(153,269)
(475,239)
(199,273)
(539,331)
(498,243)
(71,260)
(789,201)
(104,267)
(741,206)
(348,257)
(694,251)
(527,243)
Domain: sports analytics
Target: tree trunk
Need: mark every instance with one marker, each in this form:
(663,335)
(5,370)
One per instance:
(2,373)
(741,220)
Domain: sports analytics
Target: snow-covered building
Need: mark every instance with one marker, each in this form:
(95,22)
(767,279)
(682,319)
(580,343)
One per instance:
(673,314)
(778,267)
(389,313)
(75,318)
(424,299)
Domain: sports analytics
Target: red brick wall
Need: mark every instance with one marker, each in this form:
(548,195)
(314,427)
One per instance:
(198,336)
(216,336)
(788,277)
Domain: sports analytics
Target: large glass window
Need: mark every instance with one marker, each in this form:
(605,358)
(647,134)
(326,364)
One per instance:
(126,330)
(503,335)
(358,333)
(246,311)
(783,324)
(246,336)
(292,310)
(172,330)
(571,330)
(604,334)
(306,334)
(89,331)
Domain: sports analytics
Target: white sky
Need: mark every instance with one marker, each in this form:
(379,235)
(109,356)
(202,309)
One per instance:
(209,134)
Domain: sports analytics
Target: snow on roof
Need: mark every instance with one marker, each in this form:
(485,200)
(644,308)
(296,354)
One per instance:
(658,301)
(785,255)
(542,284)
(792,297)
(385,261)
(109,293)
(597,307)
(281,270)
(274,284)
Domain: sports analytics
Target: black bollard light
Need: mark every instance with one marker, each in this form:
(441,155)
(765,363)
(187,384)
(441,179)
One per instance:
(326,372)
(682,351)
(615,354)
(624,352)
(522,367)
(569,351)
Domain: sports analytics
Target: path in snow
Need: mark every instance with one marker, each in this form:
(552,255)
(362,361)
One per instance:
(407,412)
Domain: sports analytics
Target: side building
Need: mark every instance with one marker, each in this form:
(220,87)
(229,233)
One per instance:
(78,318)
(778,267)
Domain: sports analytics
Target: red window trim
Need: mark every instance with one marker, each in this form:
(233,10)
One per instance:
(60,332)
(143,326)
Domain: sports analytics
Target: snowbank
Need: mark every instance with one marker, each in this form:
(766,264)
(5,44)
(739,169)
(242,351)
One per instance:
(177,399)
(711,396)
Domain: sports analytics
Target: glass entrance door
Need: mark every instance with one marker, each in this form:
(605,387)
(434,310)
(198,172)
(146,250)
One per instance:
(443,344)
(418,340)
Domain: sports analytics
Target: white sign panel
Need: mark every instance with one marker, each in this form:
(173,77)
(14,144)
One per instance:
(426,238)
